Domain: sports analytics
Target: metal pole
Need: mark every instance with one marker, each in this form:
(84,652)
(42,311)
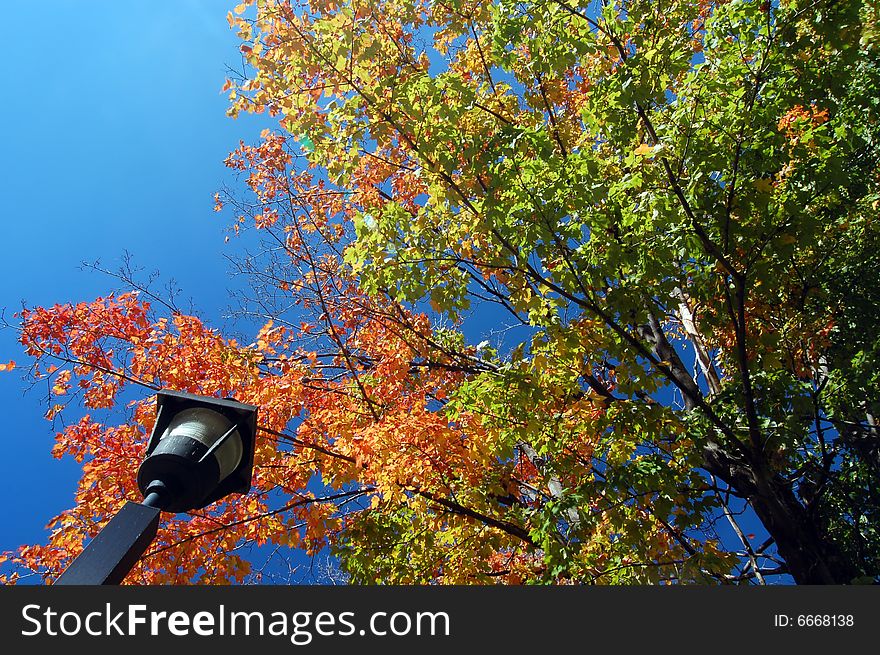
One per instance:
(109,557)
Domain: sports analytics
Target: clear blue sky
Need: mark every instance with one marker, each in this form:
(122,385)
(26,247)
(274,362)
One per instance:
(114,135)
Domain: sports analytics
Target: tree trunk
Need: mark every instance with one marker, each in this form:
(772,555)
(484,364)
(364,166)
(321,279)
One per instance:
(810,557)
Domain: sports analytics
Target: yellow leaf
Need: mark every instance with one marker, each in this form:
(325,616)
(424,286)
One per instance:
(53,411)
(240,9)
(644,150)
(763,185)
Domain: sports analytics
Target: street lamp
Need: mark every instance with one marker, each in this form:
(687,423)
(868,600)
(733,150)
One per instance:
(201,450)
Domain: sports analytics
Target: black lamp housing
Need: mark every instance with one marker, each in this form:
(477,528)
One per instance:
(185,472)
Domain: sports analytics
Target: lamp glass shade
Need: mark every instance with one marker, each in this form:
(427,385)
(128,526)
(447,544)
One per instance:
(207,427)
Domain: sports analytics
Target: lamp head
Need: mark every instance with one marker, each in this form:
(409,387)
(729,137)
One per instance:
(201,449)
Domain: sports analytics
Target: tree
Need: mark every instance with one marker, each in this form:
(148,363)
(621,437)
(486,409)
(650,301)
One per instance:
(632,184)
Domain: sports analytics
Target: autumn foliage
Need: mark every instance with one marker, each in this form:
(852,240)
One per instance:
(670,209)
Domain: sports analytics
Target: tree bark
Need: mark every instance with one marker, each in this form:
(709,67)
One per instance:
(810,557)
(689,322)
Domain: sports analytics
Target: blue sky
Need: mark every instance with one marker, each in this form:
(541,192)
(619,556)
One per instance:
(114,138)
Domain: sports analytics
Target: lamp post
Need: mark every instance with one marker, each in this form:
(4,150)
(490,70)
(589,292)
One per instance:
(201,449)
